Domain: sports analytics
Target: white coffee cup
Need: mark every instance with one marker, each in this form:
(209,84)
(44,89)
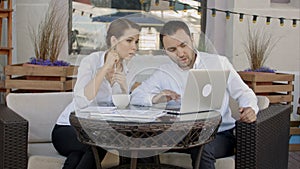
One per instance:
(121,100)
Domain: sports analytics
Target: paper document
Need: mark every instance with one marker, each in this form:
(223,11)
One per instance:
(127,115)
(98,109)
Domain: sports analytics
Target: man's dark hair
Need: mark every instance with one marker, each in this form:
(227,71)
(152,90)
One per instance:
(171,27)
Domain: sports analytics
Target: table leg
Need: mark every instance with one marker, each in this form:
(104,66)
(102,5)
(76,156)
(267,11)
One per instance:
(198,159)
(96,155)
(133,161)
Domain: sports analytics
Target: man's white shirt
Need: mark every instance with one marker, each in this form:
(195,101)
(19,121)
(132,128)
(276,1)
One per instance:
(172,77)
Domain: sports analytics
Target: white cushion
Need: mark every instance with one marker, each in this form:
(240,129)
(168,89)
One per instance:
(43,149)
(262,102)
(225,163)
(50,162)
(185,161)
(177,159)
(45,162)
(40,109)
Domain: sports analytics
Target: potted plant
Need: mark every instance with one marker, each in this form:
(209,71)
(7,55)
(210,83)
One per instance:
(49,37)
(44,71)
(261,79)
(258,48)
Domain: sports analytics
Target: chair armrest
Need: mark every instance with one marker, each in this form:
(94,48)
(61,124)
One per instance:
(13,139)
(264,143)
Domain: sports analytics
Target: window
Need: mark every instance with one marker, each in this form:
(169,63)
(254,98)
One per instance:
(90,19)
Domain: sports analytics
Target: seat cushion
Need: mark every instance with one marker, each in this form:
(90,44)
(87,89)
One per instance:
(177,159)
(56,162)
(185,161)
(225,163)
(45,162)
(41,110)
(42,149)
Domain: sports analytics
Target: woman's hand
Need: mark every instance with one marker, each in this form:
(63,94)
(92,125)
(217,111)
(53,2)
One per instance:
(120,77)
(112,58)
(165,96)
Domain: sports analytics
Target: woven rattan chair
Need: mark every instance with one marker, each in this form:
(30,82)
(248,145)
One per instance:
(260,145)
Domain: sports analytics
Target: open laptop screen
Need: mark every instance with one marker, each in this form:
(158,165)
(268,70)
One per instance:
(204,91)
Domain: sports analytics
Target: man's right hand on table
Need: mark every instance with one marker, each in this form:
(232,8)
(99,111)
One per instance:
(165,96)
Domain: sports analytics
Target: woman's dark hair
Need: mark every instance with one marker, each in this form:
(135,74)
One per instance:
(171,27)
(118,27)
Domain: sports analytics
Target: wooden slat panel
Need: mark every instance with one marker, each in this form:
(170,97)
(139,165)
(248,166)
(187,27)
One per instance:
(34,84)
(69,85)
(2,87)
(3,15)
(294,123)
(294,147)
(1,83)
(294,131)
(265,77)
(280,98)
(273,88)
(40,70)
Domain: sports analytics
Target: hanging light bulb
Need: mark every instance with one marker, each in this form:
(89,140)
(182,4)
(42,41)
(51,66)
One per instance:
(227,15)
(254,18)
(294,22)
(199,10)
(156,2)
(241,17)
(213,12)
(268,21)
(184,7)
(171,5)
(281,20)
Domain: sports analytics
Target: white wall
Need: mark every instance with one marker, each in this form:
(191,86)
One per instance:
(228,36)
(29,13)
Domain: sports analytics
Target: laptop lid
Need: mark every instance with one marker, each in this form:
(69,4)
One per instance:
(204,90)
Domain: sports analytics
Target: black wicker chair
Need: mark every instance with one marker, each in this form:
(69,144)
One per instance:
(13,139)
(260,145)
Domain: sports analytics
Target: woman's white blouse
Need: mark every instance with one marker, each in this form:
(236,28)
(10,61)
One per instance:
(87,70)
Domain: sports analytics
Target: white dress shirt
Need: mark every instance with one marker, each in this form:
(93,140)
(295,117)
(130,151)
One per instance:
(87,70)
(172,77)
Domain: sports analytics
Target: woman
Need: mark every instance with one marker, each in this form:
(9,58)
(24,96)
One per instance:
(97,73)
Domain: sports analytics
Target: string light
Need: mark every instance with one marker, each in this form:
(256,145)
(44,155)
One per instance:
(241,17)
(171,5)
(213,12)
(294,22)
(281,21)
(227,15)
(199,10)
(254,18)
(184,7)
(268,21)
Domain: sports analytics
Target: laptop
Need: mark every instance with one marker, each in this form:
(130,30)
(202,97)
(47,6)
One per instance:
(204,92)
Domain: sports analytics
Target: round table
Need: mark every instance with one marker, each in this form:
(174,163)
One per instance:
(136,139)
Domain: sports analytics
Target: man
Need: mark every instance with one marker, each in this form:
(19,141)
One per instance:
(169,83)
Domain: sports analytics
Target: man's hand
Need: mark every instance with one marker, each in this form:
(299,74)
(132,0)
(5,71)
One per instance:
(165,96)
(247,114)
